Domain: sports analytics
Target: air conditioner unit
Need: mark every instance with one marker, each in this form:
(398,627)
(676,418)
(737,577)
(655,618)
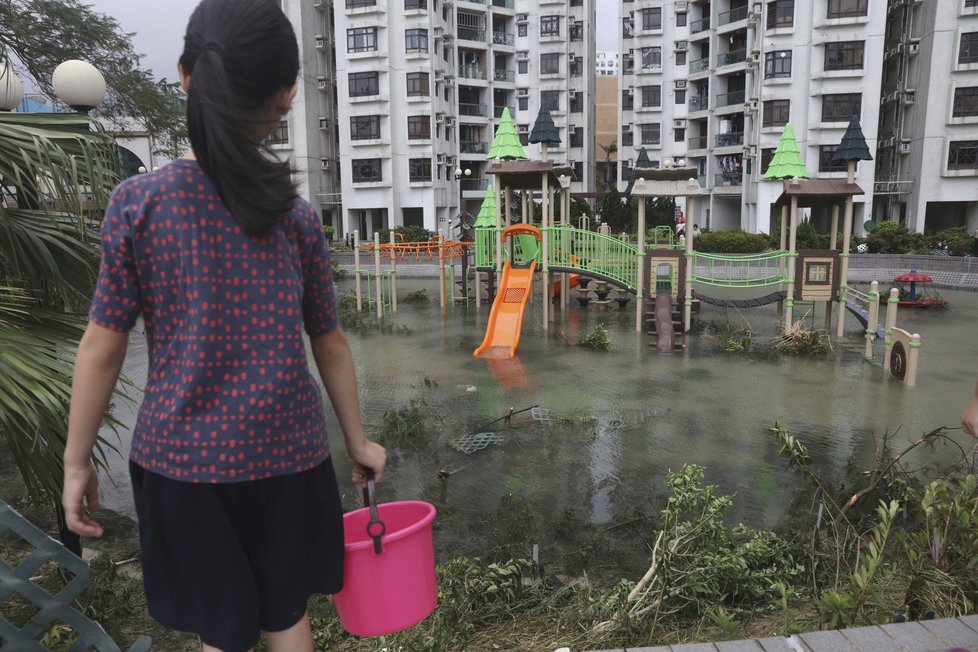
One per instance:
(522,56)
(750,151)
(631,52)
(440,118)
(521,18)
(904,147)
(680,83)
(522,92)
(681,46)
(681,5)
(317,3)
(440,158)
(322,83)
(908,98)
(449,83)
(913,48)
(753,58)
(320,41)
(679,123)
(324,164)
(750,106)
(323,122)
(888,142)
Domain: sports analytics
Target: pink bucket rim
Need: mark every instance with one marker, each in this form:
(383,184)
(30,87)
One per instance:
(393,536)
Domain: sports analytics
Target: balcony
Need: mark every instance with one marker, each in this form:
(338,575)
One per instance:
(701,103)
(475,2)
(475,110)
(700,25)
(506,4)
(728,179)
(699,142)
(472,72)
(501,74)
(730,140)
(498,111)
(729,99)
(699,65)
(732,16)
(471,185)
(472,147)
(472,34)
(503,38)
(730,58)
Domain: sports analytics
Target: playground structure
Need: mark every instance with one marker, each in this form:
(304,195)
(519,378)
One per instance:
(660,272)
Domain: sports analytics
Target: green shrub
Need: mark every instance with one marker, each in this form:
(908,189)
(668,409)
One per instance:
(409,233)
(597,339)
(731,242)
(328,232)
(418,296)
(958,241)
(893,238)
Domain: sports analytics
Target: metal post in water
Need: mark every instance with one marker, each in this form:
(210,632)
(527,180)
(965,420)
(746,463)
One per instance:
(892,304)
(356,267)
(640,263)
(844,254)
(874,318)
(441,268)
(690,261)
(913,360)
(377,277)
(393,275)
(545,214)
(789,302)
(782,246)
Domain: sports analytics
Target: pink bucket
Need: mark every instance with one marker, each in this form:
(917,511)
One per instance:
(387,592)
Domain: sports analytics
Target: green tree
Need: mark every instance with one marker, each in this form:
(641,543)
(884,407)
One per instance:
(38,35)
(63,166)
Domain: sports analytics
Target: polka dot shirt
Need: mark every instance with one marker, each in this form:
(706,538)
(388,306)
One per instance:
(229,396)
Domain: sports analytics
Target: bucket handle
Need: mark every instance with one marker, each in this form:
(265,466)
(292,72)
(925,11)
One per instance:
(375,527)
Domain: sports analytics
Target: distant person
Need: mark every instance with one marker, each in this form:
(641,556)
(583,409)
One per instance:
(969,418)
(696,230)
(239,511)
(680,227)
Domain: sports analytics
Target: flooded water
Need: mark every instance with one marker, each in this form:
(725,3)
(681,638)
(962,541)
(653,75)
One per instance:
(621,419)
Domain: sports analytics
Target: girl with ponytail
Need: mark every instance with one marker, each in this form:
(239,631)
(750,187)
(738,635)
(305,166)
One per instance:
(239,511)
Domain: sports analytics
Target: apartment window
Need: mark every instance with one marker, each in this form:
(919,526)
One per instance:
(364,127)
(963,155)
(681,96)
(679,135)
(767,155)
(419,169)
(651,133)
(847,8)
(419,127)
(577,137)
(627,28)
(579,170)
(968,52)
(523,103)
(652,95)
(970,3)
(652,18)
(524,133)
(577,103)
(576,66)
(521,29)
(840,107)
(415,4)
(416,40)
(652,58)
(626,101)
(825,162)
(355,4)
(281,134)
(364,83)
(366,170)
(845,55)
(550,99)
(780,13)
(549,25)
(577,31)
(681,58)
(522,67)
(777,64)
(776,113)
(418,84)
(361,39)
(550,63)
(681,19)
(626,137)
(965,102)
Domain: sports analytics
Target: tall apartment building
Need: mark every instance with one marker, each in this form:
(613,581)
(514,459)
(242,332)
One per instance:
(308,134)
(421,85)
(715,81)
(606,63)
(927,161)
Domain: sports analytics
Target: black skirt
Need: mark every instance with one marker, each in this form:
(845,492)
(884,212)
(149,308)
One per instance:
(227,560)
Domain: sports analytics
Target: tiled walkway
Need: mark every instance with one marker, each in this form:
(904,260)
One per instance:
(923,636)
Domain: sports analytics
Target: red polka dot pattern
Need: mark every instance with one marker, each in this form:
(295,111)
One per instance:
(229,396)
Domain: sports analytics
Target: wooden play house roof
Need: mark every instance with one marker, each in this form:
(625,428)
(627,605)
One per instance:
(526,175)
(818,192)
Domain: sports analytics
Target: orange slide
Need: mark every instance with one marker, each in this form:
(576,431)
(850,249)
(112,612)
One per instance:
(572,282)
(506,318)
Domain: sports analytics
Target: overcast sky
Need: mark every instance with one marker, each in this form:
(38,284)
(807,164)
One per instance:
(159,28)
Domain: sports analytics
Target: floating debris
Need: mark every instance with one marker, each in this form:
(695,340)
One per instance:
(475,442)
(541,414)
(466,389)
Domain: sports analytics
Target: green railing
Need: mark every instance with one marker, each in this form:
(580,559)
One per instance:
(570,248)
(751,271)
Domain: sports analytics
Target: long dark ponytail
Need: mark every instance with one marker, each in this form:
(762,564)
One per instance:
(240,54)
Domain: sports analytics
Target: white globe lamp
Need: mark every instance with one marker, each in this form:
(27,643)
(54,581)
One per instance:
(79,85)
(11,89)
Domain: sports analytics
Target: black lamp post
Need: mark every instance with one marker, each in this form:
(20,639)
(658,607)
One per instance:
(463,228)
